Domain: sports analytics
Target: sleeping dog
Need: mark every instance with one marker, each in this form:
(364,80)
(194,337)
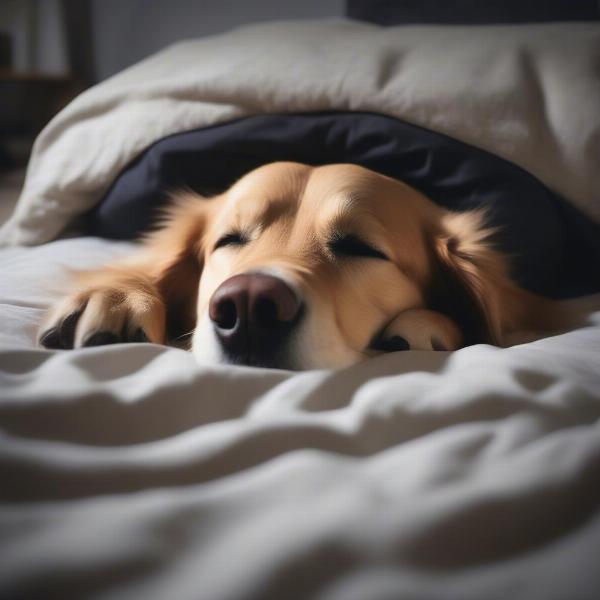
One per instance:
(305,267)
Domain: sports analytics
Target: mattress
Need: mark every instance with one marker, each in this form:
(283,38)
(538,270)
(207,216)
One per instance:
(128,471)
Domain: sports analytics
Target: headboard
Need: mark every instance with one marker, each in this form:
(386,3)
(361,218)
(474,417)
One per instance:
(471,12)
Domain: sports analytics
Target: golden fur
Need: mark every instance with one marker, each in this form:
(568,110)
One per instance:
(441,284)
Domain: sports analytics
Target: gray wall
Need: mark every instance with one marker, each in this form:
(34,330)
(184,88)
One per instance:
(36,29)
(125,31)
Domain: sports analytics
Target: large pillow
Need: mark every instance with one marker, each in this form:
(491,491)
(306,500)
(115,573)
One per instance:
(529,94)
(554,249)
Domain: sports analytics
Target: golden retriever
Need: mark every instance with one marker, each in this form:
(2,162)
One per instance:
(305,267)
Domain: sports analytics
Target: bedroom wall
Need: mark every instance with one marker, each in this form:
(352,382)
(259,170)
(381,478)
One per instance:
(125,31)
(37,34)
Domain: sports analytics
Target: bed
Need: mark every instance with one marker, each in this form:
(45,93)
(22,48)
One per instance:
(128,471)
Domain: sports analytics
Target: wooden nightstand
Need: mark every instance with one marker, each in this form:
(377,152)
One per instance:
(29,99)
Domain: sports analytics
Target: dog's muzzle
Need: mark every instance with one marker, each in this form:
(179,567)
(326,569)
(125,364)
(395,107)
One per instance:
(253,315)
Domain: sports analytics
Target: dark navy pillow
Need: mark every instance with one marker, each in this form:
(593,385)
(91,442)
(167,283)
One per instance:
(554,249)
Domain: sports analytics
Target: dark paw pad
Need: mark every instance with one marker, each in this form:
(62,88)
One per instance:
(51,339)
(139,336)
(393,344)
(61,337)
(66,330)
(101,338)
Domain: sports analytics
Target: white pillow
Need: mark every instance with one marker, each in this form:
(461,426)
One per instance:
(528,93)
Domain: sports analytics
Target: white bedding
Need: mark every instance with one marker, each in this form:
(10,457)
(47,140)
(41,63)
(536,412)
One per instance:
(528,93)
(127,471)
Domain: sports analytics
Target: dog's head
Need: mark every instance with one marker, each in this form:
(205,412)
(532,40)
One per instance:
(306,267)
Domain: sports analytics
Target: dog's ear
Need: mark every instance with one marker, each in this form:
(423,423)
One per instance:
(470,282)
(175,250)
(420,329)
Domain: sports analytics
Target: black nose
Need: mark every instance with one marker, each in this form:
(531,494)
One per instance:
(252,315)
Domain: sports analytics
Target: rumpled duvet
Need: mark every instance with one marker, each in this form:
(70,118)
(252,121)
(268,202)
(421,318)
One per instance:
(527,93)
(129,472)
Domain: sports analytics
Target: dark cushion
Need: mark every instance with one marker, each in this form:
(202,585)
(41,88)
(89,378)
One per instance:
(471,12)
(554,249)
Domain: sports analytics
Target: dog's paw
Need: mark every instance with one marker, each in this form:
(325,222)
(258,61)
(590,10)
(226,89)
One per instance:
(420,329)
(104,315)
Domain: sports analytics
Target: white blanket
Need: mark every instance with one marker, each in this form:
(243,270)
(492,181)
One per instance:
(527,93)
(128,471)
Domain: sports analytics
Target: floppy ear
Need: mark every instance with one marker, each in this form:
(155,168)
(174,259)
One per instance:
(172,255)
(421,329)
(470,280)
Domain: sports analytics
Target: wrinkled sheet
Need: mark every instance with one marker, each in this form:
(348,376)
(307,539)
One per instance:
(129,472)
(527,93)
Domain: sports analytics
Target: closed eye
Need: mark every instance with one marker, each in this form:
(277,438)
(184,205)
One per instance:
(350,245)
(230,239)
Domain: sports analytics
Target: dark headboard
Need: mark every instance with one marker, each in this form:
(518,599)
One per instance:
(471,12)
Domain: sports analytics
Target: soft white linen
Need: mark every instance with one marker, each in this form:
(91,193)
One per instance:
(528,93)
(130,472)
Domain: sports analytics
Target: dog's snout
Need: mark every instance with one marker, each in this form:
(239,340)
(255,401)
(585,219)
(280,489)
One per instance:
(250,312)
